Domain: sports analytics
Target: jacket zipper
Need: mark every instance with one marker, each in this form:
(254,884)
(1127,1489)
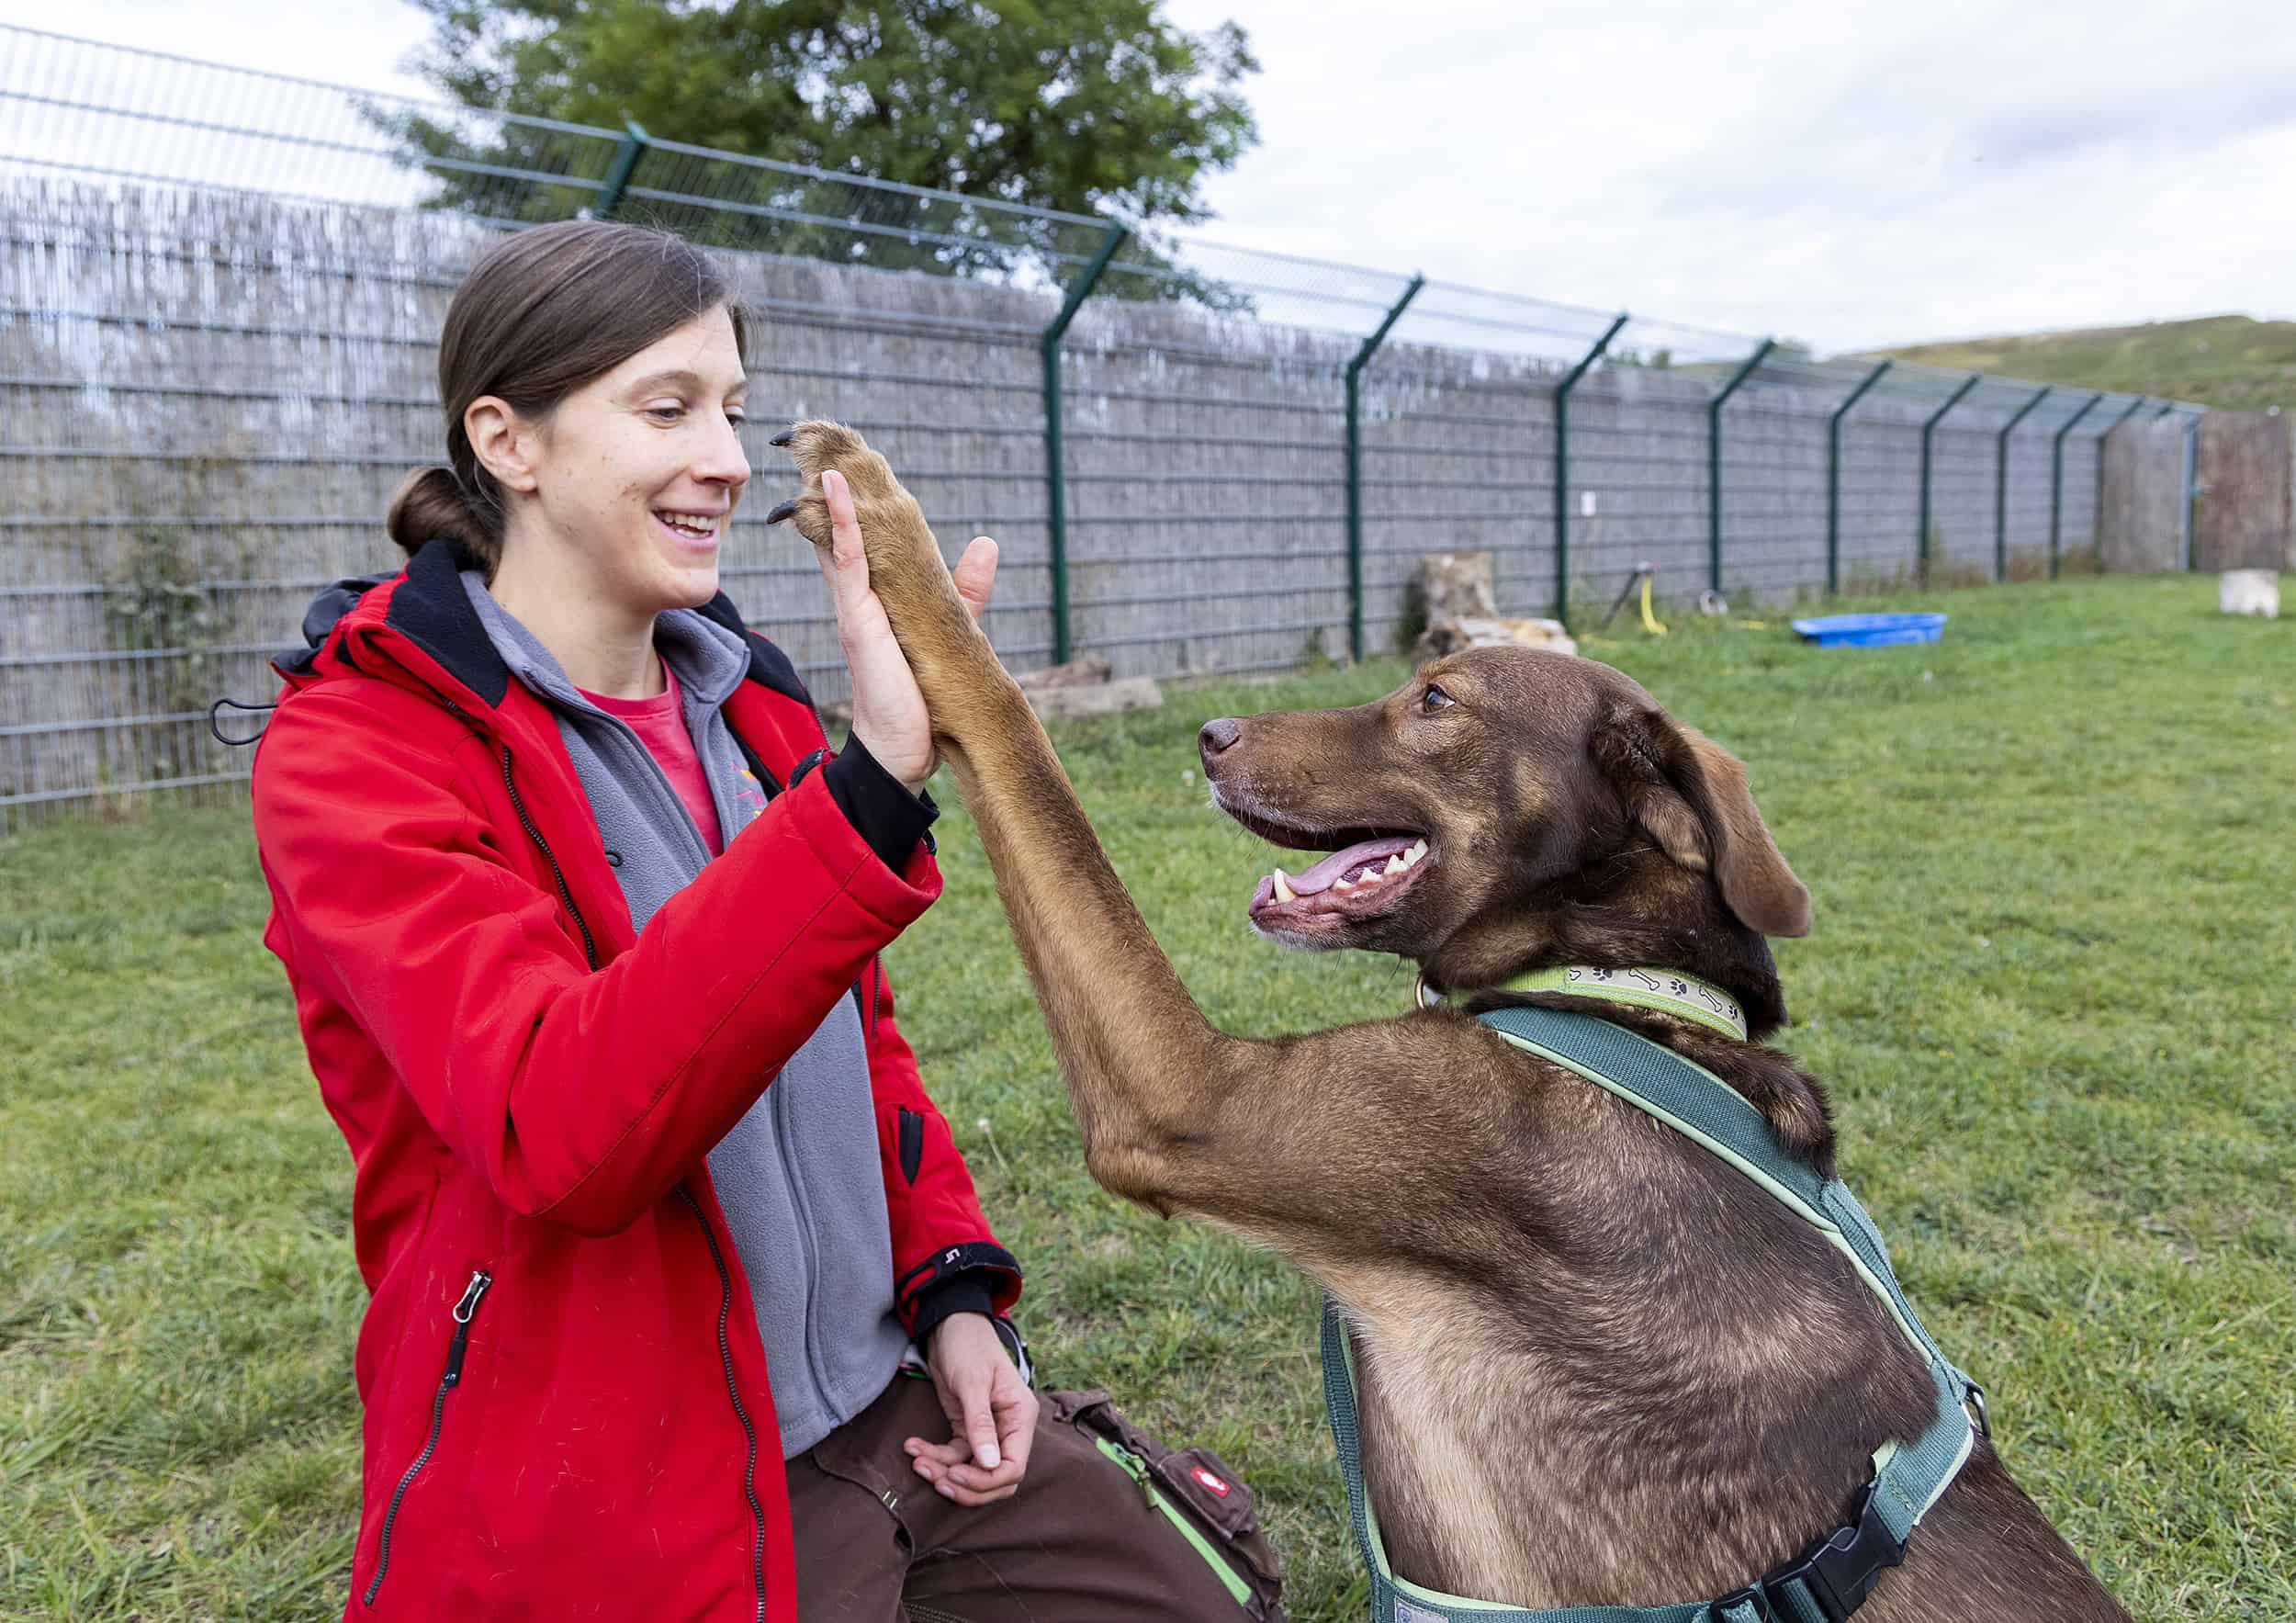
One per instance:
(557,874)
(748,1428)
(590,947)
(465,1310)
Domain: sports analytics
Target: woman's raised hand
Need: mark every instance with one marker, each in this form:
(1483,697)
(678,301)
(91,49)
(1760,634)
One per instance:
(889,714)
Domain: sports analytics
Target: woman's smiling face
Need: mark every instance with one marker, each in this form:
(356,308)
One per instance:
(637,472)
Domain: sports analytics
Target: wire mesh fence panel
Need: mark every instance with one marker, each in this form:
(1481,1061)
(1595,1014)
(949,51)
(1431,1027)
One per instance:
(1773,501)
(221,298)
(941,377)
(1458,456)
(1881,494)
(1961,502)
(1639,481)
(2083,468)
(1205,473)
(211,398)
(2025,539)
(1203,492)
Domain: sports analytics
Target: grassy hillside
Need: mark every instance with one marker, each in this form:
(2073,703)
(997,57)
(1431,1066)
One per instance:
(2230,361)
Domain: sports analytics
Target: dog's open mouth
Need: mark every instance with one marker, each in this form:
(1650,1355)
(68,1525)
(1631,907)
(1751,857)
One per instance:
(1366,876)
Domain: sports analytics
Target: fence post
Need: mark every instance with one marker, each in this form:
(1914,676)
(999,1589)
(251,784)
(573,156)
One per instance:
(625,157)
(2096,521)
(1833,478)
(1714,460)
(1929,430)
(1562,468)
(2000,485)
(2056,477)
(1056,485)
(1354,466)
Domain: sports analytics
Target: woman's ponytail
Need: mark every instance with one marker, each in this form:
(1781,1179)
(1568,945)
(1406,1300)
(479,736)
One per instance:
(430,503)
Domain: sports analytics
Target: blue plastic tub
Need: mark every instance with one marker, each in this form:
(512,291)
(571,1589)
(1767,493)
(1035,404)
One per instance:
(1869,631)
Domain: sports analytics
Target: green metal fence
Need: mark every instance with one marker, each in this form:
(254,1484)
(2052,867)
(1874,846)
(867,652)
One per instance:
(219,298)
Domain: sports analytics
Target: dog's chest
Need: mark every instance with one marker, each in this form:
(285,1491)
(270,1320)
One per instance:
(1443,1453)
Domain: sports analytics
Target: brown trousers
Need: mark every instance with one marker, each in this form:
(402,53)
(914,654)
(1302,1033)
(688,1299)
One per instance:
(1078,1543)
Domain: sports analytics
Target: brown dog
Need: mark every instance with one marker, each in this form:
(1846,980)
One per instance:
(1597,1365)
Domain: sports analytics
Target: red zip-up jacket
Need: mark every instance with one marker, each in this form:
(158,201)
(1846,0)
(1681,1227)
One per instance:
(567,1412)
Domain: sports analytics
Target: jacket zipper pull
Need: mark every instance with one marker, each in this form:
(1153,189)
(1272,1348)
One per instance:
(465,1310)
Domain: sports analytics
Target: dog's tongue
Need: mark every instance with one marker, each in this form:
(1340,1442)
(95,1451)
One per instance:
(1320,877)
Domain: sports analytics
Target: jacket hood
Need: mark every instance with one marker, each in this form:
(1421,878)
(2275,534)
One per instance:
(426,604)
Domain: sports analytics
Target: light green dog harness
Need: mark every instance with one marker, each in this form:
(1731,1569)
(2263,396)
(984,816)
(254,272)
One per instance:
(1832,1578)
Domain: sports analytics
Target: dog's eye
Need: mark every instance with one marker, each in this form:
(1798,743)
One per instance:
(1435,699)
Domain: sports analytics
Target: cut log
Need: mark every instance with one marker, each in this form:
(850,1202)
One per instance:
(1457,586)
(1106,698)
(1448,636)
(1089,672)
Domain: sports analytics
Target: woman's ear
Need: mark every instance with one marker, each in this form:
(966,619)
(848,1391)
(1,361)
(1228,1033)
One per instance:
(503,441)
(1690,795)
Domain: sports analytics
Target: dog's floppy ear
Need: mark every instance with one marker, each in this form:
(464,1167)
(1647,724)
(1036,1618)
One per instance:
(1690,795)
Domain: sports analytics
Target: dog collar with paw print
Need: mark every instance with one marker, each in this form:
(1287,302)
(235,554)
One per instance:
(1666,990)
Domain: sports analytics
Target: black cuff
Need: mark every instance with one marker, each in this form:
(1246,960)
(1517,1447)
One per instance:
(960,1293)
(882,811)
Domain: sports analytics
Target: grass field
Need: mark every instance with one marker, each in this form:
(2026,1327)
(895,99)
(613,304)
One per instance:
(2050,984)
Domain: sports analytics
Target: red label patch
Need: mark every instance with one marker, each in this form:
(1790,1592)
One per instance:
(1209,1480)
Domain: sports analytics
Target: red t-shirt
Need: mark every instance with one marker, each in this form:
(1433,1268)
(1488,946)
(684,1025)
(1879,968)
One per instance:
(660,725)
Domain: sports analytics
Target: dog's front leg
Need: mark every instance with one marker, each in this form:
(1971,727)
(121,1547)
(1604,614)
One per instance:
(1148,1077)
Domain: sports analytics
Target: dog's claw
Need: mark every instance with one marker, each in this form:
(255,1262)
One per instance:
(783,438)
(781,510)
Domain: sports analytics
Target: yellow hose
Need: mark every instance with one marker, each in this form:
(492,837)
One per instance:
(1649,621)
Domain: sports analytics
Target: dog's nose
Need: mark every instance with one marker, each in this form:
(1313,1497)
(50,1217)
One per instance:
(1217,736)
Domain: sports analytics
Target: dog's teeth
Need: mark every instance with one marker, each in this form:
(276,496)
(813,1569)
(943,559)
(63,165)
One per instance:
(1283,890)
(1395,864)
(1416,852)
(1373,877)
(1343,885)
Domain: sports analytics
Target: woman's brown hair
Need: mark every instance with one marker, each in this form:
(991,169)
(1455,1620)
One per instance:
(540,315)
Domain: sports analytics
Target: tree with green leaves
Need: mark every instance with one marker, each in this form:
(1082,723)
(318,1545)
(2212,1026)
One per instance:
(1090,106)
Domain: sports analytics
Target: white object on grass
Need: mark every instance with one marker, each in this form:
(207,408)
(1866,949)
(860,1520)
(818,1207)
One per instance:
(2249,592)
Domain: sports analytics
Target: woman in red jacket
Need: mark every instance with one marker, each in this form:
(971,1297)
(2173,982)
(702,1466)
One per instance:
(583,924)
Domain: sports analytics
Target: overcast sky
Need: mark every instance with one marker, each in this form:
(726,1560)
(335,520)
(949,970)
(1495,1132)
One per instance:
(1847,174)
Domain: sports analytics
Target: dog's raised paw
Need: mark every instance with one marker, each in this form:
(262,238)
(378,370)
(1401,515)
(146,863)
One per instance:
(817,446)
(904,559)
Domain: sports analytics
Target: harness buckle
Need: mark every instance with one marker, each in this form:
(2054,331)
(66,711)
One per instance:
(1837,1572)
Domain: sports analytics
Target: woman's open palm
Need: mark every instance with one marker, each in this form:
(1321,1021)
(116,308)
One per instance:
(889,714)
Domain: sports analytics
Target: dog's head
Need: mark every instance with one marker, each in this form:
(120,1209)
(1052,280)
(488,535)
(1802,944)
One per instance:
(1505,810)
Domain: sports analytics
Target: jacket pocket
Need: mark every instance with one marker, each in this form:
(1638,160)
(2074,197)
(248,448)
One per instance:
(1195,1490)
(457,1344)
(911,1124)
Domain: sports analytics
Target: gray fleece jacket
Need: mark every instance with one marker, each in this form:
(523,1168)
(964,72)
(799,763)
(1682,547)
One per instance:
(799,1176)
